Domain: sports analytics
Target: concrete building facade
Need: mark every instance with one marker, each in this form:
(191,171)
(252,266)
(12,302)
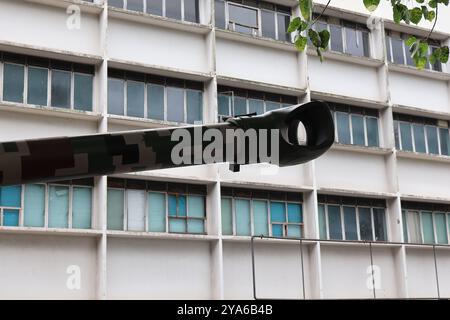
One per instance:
(373,213)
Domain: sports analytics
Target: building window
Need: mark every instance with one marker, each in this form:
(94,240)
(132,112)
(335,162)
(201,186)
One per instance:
(357,219)
(247,212)
(257,18)
(423,135)
(149,206)
(185,10)
(345,36)
(397,50)
(234,101)
(160,98)
(45,82)
(355,125)
(53,205)
(425,222)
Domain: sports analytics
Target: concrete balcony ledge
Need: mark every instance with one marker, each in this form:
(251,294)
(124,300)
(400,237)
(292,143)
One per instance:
(142,123)
(330,97)
(278,241)
(50,111)
(345,57)
(265,186)
(431,74)
(157,235)
(50,53)
(51,231)
(422,198)
(361,149)
(151,19)
(422,156)
(255,40)
(421,112)
(85,6)
(163,175)
(356,193)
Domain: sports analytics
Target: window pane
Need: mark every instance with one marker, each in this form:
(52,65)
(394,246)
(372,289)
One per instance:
(37,86)
(294,213)
(13,82)
(432,139)
(227,214)
(413,225)
(445,141)
(405,227)
(115,206)
(277,211)
(441,228)
(268,24)
(156,212)
(191,11)
(61,88)
(242,217)
(196,206)
(388,48)
(182,210)
(173,205)
(195,226)
(322,222)
(366,45)
(155,7)
(405,133)
(115,96)
(136,210)
(136,5)
(173,9)
(135,99)
(277,230)
(336,43)
(83,92)
(397,51)
(224,105)
(437,66)
(334,222)
(34,205)
(256,106)
(358,129)
(396,135)
(240,106)
(365,224)
(283,23)
(155,101)
(220,14)
(354,41)
(10,218)
(419,138)
(175,104)
(243,16)
(272,106)
(261,226)
(294,231)
(10,196)
(351,232)
(177,225)
(81,208)
(372,132)
(116,3)
(379,220)
(343,127)
(427,227)
(194,105)
(58,207)
(409,59)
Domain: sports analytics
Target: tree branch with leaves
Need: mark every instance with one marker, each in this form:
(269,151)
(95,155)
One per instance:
(418,47)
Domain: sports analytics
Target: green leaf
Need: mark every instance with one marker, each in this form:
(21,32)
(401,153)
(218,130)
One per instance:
(371,5)
(324,38)
(306,7)
(314,37)
(319,53)
(444,54)
(294,24)
(300,43)
(415,15)
(410,41)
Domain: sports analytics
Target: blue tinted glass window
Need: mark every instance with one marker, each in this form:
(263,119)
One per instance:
(334,222)
(37,86)
(343,127)
(58,207)
(116,96)
(10,196)
(34,205)
(351,232)
(358,129)
(283,23)
(227,216)
(135,99)
(405,133)
(175,104)
(277,230)
(195,226)
(427,227)
(13,82)
(419,138)
(196,206)
(10,218)
(115,208)
(81,208)
(294,213)
(155,7)
(220,14)
(242,208)
(379,220)
(224,105)
(155,101)
(136,5)
(156,212)
(194,100)
(272,105)
(336,43)
(177,225)
(268,24)
(277,211)
(61,81)
(372,132)
(256,106)
(365,224)
(260,211)
(445,141)
(322,222)
(441,228)
(432,139)
(240,106)
(173,9)
(83,90)
(191,11)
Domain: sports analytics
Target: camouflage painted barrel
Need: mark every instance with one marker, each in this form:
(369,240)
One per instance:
(245,140)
